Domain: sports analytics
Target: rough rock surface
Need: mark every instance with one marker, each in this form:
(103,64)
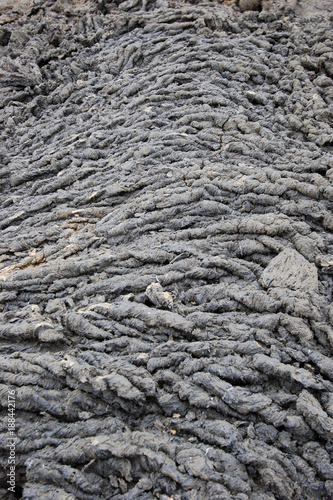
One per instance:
(159,160)
(290,269)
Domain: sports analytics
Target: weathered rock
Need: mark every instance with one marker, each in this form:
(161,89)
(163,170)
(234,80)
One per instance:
(155,293)
(4,36)
(166,249)
(291,270)
(245,5)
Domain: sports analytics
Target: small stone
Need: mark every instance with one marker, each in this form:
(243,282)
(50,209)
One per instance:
(159,298)
(145,484)
(290,269)
(245,5)
(325,262)
(4,36)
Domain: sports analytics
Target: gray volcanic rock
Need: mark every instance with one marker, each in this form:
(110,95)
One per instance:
(19,73)
(158,297)
(292,270)
(245,5)
(166,196)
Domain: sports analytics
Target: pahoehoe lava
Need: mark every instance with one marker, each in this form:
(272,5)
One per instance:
(166,251)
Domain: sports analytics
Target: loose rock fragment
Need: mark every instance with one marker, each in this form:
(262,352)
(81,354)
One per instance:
(290,269)
(158,297)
